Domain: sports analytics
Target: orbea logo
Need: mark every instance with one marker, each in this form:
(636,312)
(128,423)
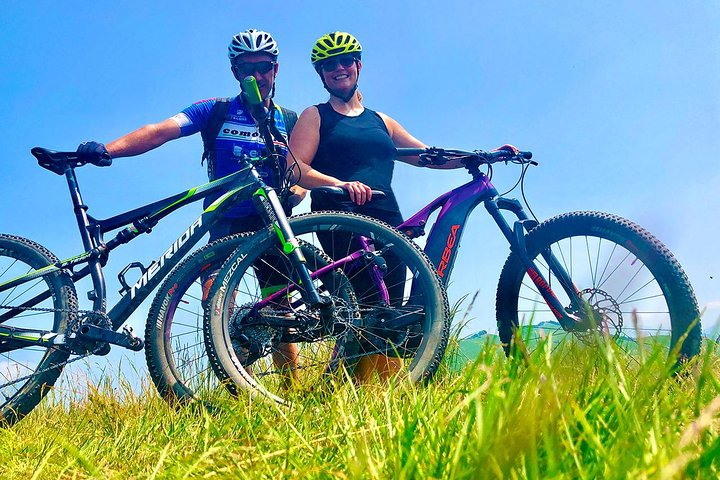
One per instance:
(157,264)
(447,253)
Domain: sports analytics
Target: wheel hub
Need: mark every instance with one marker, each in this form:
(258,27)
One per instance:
(602,313)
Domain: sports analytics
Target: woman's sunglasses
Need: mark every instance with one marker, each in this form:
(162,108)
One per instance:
(248,68)
(331,64)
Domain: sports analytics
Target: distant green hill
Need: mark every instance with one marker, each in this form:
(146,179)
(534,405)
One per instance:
(471,345)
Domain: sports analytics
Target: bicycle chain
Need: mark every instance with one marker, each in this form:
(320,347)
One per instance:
(71,327)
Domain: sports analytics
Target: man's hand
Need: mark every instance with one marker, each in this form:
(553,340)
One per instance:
(95,153)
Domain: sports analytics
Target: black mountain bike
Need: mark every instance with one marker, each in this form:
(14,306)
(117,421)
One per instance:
(42,328)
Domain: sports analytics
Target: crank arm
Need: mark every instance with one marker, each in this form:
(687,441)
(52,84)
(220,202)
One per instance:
(125,339)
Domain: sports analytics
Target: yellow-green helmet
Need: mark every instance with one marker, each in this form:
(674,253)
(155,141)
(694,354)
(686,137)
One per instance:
(334,44)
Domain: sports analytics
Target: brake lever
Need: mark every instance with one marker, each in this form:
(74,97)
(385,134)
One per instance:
(437,156)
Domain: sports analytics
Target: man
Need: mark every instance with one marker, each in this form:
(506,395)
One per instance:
(252,53)
(228,131)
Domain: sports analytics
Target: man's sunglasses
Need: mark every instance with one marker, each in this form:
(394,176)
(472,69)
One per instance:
(248,68)
(331,64)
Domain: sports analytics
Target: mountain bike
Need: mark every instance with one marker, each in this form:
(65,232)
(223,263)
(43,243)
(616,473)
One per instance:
(574,275)
(583,275)
(42,328)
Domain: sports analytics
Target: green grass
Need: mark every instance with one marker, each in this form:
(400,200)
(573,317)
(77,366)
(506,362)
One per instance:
(573,412)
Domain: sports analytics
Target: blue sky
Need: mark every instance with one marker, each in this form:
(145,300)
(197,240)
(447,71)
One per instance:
(619,101)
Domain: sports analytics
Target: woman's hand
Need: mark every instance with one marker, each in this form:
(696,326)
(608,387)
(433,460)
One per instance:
(358,191)
(508,148)
(297,195)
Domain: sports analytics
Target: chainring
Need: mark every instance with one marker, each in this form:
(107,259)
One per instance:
(81,346)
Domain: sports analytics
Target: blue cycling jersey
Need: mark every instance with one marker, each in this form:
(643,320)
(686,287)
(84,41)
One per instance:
(238,136)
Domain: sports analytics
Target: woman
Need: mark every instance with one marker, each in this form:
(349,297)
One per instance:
(343,143)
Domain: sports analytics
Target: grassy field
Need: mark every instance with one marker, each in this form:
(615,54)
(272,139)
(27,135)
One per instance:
(574,412)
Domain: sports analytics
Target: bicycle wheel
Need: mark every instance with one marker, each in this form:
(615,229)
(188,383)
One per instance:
(26,374)
(633,285)
(407,336)
(174,345)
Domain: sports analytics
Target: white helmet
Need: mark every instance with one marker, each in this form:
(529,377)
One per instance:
(252,41)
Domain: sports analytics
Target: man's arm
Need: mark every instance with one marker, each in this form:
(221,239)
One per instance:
(144,139)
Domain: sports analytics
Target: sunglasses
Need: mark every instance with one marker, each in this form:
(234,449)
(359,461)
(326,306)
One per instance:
(331,64)
(248,68)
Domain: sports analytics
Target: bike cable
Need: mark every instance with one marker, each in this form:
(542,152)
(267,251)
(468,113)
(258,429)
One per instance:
(521,182)
(522,190)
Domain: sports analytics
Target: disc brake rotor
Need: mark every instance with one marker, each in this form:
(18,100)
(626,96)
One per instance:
(604,312)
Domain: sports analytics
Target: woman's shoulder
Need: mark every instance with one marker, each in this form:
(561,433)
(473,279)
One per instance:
(311,111)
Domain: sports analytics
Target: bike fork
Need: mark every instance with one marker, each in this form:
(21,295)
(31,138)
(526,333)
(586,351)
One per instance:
(516,238)
(291,247)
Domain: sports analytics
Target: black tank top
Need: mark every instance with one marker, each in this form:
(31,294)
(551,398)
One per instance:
(356,149)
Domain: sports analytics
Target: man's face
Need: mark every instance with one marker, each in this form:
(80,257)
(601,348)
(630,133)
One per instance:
(259,65)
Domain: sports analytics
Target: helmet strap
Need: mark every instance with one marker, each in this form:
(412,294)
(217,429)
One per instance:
(344,98)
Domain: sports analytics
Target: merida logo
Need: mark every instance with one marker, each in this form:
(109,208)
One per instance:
(158,264)
(447,253)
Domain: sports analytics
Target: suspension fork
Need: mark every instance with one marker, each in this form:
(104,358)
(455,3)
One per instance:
(291,247)
(516,237)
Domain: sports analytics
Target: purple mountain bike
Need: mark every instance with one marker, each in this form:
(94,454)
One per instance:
(576,274)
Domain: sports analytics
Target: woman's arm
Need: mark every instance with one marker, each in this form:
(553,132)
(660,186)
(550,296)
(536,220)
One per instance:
(402,139)
(304,143)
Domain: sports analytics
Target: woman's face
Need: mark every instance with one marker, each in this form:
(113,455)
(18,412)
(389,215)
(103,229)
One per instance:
(341,73)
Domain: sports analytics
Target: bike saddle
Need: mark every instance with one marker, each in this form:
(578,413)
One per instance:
(339,195)
(56,162)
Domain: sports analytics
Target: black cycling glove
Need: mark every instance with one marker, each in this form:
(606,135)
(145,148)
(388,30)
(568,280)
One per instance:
(95,153)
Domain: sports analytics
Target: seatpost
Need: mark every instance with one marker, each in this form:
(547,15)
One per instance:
(80,209)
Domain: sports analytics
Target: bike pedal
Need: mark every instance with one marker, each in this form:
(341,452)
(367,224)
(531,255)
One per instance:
(135,342)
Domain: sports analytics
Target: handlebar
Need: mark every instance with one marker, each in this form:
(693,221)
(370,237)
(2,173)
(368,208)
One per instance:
(440,156)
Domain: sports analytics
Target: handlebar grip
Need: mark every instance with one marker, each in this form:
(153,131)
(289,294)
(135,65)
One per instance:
(105,160)
(330,190)
(503,154)
(409,152)
(250,90)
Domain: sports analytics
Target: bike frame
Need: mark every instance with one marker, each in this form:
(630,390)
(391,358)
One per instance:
(142,220)
(242,185)
(455,207)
